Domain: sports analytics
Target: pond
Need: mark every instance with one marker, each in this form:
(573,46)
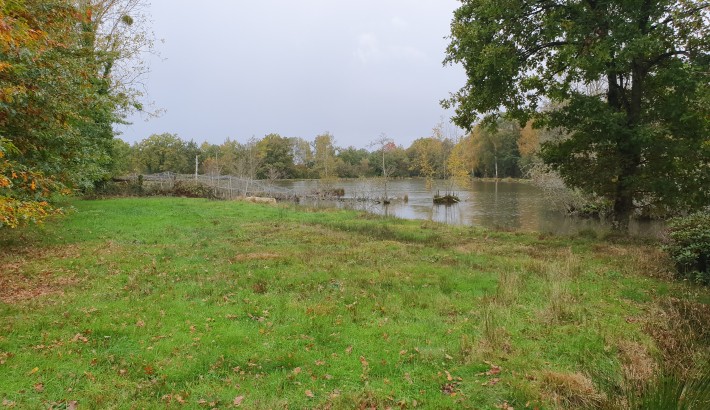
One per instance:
(509,205)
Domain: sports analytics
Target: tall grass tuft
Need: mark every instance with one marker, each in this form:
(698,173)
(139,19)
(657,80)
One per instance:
(670,390)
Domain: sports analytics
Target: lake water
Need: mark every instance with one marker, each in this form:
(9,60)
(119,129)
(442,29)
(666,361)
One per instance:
(499,205)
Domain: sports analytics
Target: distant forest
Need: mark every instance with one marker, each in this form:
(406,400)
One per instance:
(503,150)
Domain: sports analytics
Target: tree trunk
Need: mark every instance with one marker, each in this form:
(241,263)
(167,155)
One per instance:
(623,207)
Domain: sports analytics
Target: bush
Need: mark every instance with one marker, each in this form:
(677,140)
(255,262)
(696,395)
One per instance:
(193,189)
(688,244)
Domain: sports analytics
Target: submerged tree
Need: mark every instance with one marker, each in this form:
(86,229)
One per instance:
(629,80)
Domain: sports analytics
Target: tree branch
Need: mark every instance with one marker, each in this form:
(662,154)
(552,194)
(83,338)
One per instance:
(529,53)
(665,56)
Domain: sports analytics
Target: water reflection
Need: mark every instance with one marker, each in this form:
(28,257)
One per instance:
(498,205)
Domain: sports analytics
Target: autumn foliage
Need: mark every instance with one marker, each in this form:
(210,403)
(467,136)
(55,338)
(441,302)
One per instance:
(24,194)
(57,106)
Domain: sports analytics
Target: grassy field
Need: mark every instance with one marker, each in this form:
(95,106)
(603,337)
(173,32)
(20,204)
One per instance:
(168,302)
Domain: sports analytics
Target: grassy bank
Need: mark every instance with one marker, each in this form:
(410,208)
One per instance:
(148,303)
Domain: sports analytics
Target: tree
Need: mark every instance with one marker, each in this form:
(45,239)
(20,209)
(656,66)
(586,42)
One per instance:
(302,158)
(59,97)
(528,145)
(248,161)
(460,162)
(353,163)
(165,153)
(121,154)
(495,149)
(424,158)
(276,157)
(629,80)
(324,155)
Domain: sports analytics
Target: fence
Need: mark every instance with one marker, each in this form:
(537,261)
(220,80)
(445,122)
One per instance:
(225,186)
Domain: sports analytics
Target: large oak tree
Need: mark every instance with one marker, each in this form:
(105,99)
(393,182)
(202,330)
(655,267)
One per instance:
(628,80)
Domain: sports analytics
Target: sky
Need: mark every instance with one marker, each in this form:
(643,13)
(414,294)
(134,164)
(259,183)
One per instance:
(357,69)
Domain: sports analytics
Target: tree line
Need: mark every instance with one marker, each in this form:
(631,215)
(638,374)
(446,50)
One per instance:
(614,97)
(502,152)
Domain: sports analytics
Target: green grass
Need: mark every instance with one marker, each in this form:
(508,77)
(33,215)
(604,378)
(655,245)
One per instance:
(164,302)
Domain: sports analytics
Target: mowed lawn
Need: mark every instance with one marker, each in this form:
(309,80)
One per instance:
(190,303)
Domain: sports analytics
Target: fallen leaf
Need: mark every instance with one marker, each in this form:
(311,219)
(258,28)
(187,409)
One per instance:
(492,382)
(297,370)
(33,371)
(140,323)
(448,376)
(39,387)
(449,389)
(309,393)
(238,400)
(349,349)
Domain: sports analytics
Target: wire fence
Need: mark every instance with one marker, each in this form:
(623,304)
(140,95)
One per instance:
(224,186)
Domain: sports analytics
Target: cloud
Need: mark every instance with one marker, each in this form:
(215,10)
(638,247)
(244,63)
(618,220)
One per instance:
(368,49)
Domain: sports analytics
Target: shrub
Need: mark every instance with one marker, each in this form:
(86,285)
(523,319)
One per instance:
(688,244)
(192,189)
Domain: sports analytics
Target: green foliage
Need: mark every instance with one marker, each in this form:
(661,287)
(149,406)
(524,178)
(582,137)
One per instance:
(276,158)
(426,158)
(495,149)
(325,160)
(191,189)
(673,391)
(24,193)
(165,153)
(58,100)
(627,82)
(688,244)
(353,163)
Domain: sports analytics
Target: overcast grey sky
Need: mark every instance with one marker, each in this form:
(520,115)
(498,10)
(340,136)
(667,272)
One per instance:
(299,68)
